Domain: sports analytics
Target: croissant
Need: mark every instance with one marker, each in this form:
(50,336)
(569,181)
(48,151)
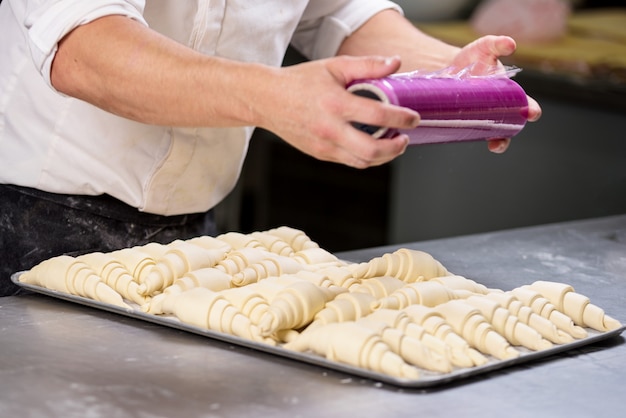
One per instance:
(468,322)
(355,345)
(210,310)
(405,264)
(180,258)
(238,241)
(435,324)
(237,260)
(460,283)
(208,278)
(136,260)
(344,307)
(318,257)
(154,250)
(295,306)
(543,307)
(296,238)
(273,265)
(403,322)
(507,325)
(525,314)
(273,243)
(115,275)
(429,293)
(68,275)
(412,350)
(248,301)
(576,306)
(318,279)
(210,243)
(267,289)
(379,287)
(270,287)
(340,276)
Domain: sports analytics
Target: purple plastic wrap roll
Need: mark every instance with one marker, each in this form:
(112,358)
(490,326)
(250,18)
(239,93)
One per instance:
(452,108)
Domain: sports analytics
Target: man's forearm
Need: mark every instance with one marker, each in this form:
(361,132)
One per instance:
(127,69)
(389,33)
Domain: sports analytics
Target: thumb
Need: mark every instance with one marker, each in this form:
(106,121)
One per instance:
(484,52)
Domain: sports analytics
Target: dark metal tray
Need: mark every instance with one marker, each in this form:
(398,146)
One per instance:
(427,378)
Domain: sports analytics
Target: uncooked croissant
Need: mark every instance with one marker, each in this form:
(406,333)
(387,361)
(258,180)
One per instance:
(210,310)
(344,307)
(208,278)
(155,249)
(249,302)
(340,276)
(296,238)
(315,277)
(68,275)
(575,305)
(237,241)
(412,350)
(460,283)
(429,293)
(468,322)
(318,257)
(115,275)
(525,314)
(273,243)
(436,325)
(356,345)
(405,264)
(273,265)
(508,325)
(270,287)
(379,287)
(403,322)
(237,260)
(137,260)
(210,243)
(295,306)
(543,307)
(182,257)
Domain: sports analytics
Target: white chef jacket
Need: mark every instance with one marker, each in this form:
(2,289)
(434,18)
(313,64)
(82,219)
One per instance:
(63,145)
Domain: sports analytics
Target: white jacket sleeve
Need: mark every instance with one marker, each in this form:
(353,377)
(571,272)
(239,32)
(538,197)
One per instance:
(47,21)
(326,23)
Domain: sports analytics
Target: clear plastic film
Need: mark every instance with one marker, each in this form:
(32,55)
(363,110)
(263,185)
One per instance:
(453,105)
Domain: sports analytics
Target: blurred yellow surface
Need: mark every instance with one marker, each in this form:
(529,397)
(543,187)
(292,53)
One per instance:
(594,46)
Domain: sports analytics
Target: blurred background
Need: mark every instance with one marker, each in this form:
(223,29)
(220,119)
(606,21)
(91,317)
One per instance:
(569,165)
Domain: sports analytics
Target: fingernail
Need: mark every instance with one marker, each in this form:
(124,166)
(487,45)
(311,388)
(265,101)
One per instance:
(390,60)
(416,120)
(500,149)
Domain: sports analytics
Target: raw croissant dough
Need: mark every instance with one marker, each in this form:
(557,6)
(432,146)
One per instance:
(69,275)
(396,314)
(576,306)
(354,344)
(408,265)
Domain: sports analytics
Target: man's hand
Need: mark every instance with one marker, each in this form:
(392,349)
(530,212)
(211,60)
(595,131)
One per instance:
(312,110)
(482,55)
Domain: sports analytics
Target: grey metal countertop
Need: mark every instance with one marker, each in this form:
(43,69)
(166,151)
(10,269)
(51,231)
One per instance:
(59,359)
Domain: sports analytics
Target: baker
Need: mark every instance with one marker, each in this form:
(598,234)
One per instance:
(126,121)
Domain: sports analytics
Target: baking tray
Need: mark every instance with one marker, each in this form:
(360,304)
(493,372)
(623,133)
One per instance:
(427,378)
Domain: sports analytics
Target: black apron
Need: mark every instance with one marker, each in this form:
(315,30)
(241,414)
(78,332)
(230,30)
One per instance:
(36,225)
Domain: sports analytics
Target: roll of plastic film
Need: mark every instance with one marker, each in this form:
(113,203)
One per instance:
(452,108)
